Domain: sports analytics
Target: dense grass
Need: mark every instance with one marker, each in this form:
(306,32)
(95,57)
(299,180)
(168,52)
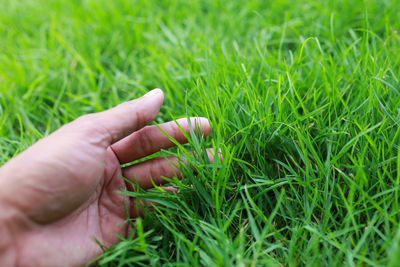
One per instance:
(304,101)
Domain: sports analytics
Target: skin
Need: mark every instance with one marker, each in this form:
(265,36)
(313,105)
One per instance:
(61,193)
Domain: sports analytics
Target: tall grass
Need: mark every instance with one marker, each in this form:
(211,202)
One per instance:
(303,98)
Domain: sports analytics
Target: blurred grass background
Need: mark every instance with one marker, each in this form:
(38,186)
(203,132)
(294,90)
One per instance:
(303,97)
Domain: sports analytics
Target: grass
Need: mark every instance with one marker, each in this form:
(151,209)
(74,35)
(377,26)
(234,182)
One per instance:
(304,102)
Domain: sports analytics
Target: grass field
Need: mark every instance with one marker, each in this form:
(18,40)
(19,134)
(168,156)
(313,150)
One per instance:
(304,102)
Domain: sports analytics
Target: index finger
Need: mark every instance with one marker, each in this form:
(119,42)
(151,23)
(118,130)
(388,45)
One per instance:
(150,139)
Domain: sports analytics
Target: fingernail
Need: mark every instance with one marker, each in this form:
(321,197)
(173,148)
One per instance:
(153,92)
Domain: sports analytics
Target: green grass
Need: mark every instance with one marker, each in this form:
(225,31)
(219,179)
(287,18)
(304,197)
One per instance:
(303,98)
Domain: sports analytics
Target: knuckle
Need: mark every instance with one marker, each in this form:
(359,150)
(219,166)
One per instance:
(134,110)
(139,118)
(163,167)
(145,142)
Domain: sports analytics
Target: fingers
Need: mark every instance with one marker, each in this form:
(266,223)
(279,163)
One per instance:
(156,170)
(150,139)
(152,171)
(122,120)
(138,206)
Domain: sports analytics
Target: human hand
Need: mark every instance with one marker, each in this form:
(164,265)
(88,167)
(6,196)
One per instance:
(61,193)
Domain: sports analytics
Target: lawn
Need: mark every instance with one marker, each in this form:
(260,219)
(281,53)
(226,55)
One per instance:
(303,98)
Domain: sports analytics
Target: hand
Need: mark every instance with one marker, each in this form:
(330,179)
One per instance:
(61,193)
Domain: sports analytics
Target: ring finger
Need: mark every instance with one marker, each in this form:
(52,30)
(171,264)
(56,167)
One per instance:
(156,171)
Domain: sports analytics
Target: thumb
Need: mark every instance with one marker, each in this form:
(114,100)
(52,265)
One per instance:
(122,120)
